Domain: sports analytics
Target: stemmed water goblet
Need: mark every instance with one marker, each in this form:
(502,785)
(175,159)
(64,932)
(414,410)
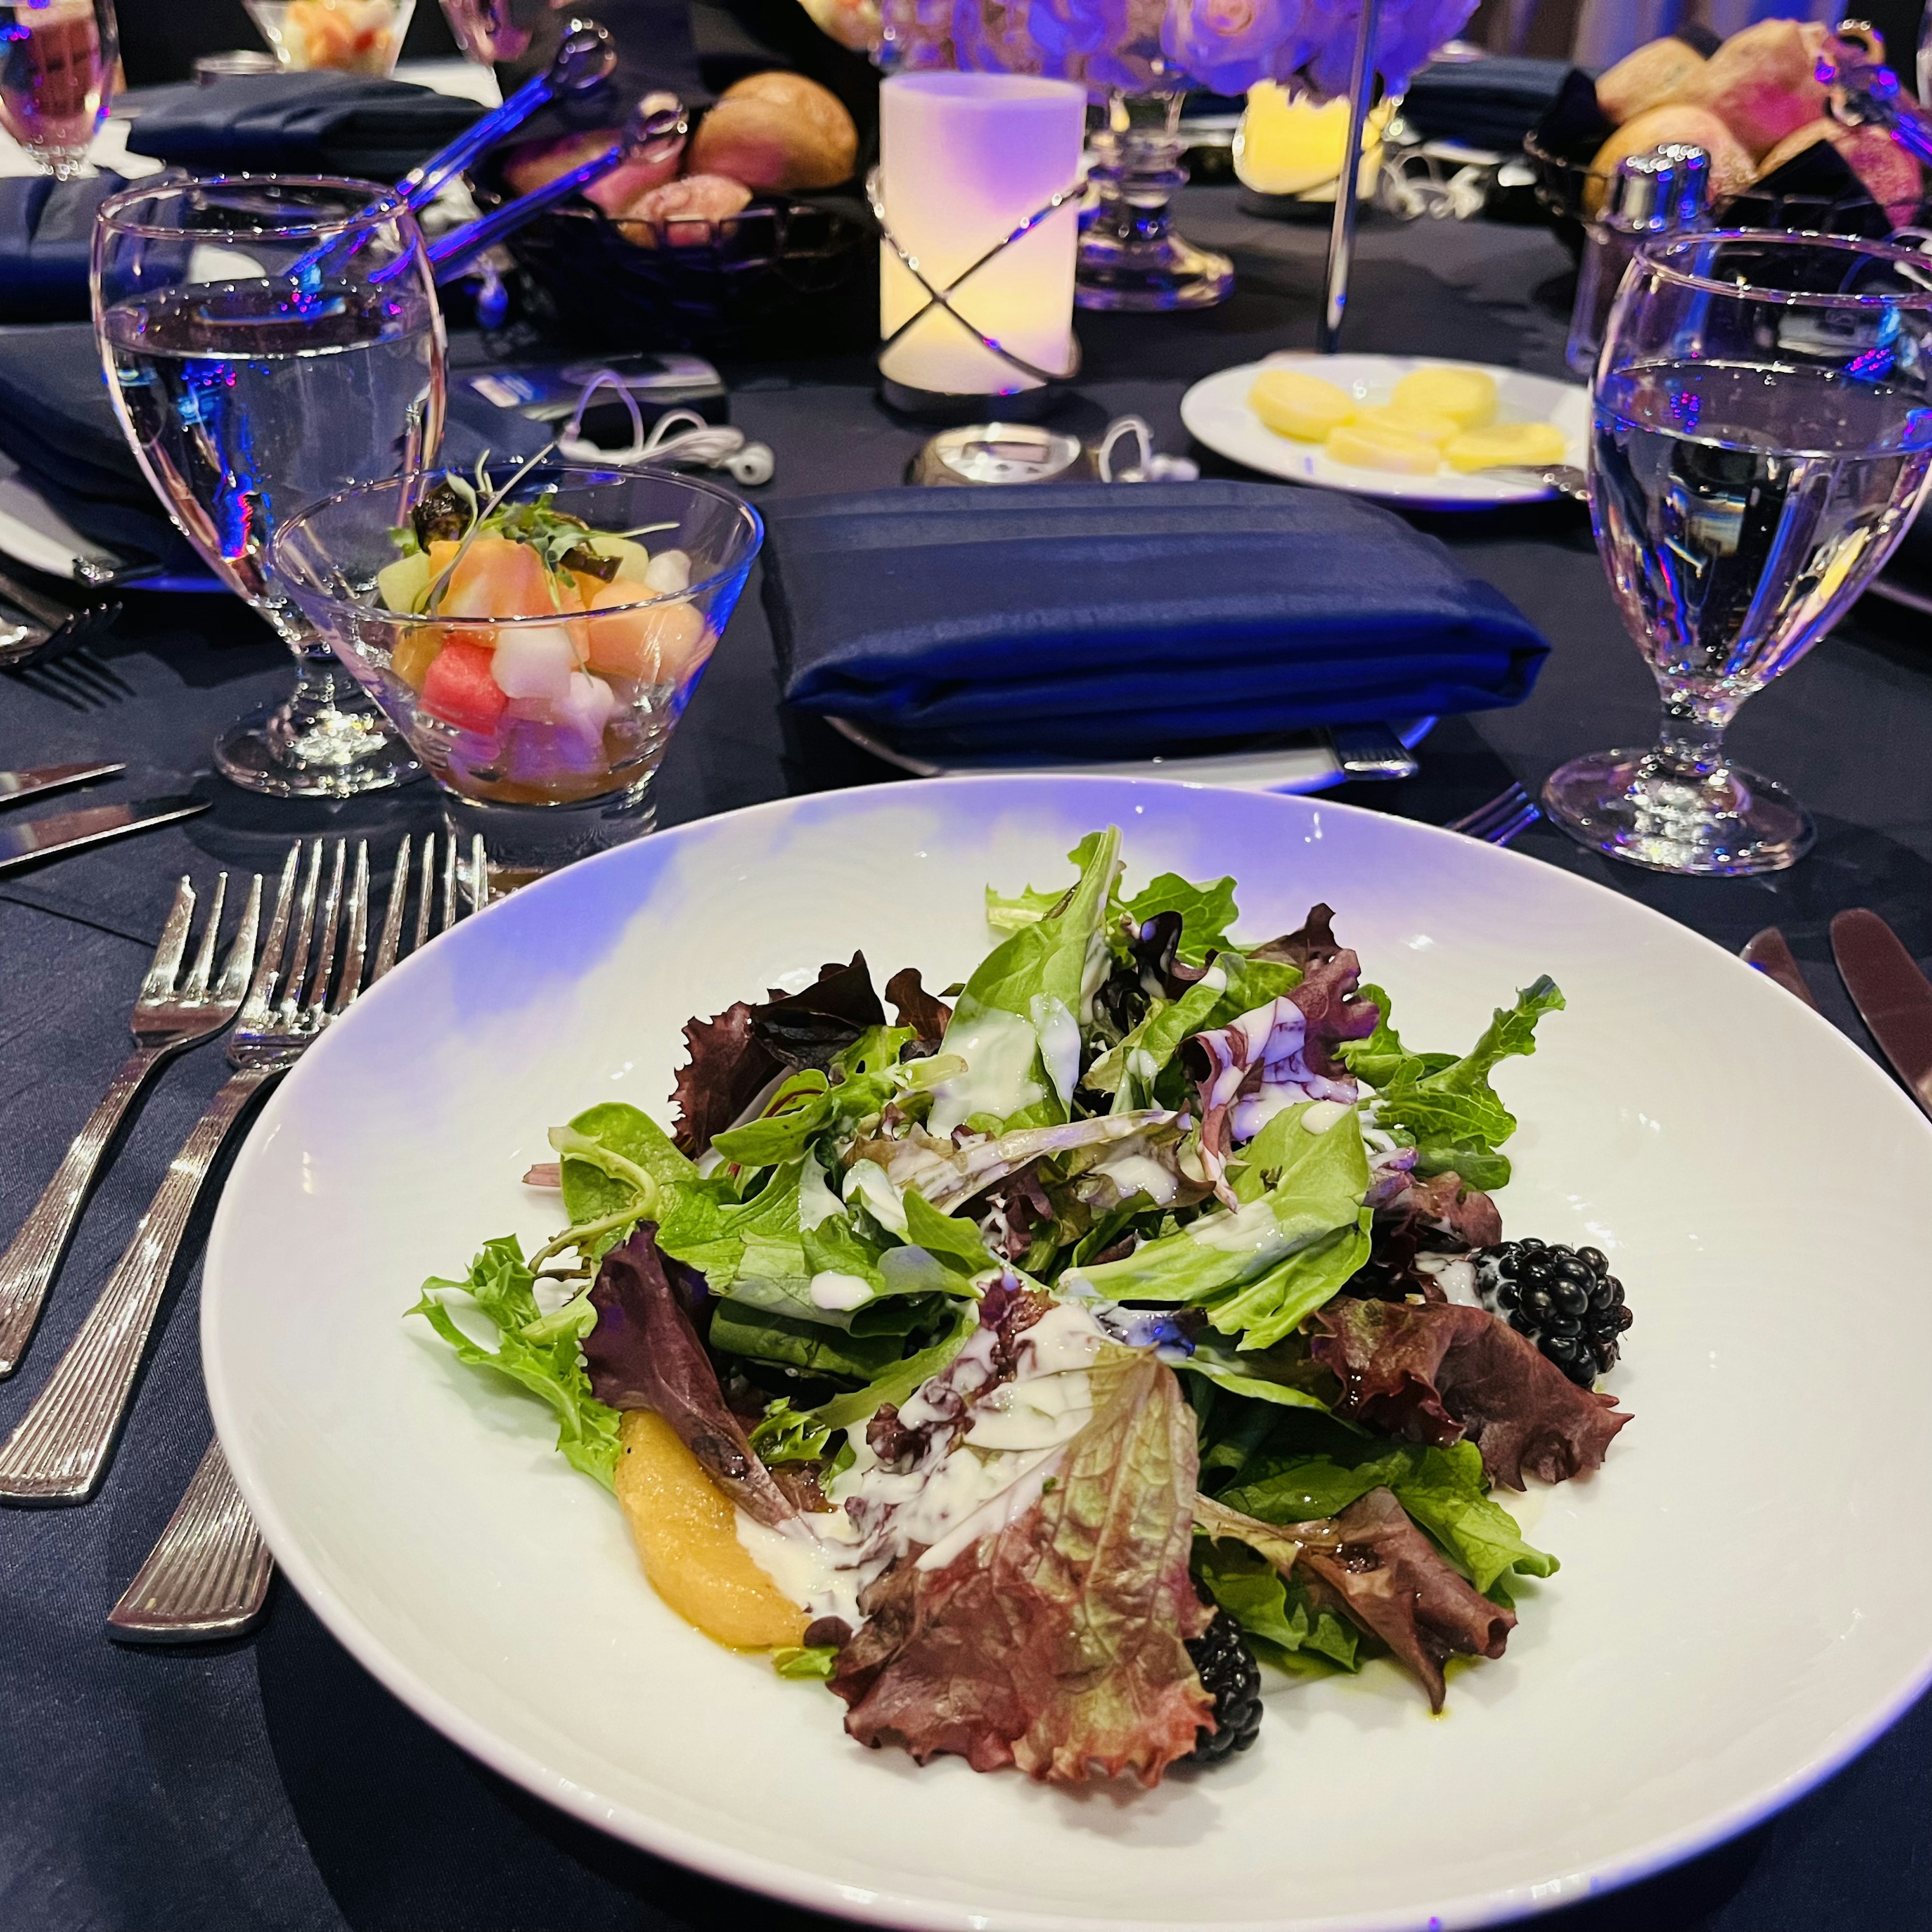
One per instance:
(268,341)
(1761,439)
(57,61)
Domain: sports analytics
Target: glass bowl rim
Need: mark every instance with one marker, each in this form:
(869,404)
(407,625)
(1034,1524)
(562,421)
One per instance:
(1654,255)
(701,485)
(379,205)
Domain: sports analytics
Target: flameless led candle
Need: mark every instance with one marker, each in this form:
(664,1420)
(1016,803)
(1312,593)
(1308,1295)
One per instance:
(964,160)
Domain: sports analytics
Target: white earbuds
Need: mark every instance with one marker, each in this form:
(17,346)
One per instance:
(678,435)
(1149,466)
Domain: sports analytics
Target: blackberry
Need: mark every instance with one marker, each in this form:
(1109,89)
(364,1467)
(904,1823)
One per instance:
(1229,1675)
(1565,1300)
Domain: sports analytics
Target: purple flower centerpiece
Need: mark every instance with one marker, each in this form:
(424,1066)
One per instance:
(1138,58)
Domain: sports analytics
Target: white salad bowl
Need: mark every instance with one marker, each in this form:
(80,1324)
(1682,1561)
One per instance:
(1741,1602)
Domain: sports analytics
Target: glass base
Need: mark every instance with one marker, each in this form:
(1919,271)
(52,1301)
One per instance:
(1631,806)
(524,841)
(328,741)
(1149,274)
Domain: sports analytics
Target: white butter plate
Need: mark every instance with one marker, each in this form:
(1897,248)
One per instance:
(1742,1601)
(1216,412)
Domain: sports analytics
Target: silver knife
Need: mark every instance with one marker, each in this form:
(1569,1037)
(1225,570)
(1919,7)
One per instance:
(1768,953)
(70,831)
(1893,998)
(15,787)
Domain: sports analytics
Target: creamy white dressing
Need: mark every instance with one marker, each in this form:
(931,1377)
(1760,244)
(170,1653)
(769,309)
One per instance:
(999,1049)
(1141,1174)
(816,1201)
(1454,1274)
(873,1187)
(1142,1065)
(1059,1034)
(1322,1114)
(842,1292)
(1251,1230)
(1094,968)
(1215,977)
(970,1485)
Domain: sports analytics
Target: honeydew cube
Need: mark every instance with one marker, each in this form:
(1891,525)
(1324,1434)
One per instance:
(404,583)
(1518,444)
(1466,395)
(1292,404)
(633,559)
(535,662)
(1384,449)
(669,572)
(1423,423)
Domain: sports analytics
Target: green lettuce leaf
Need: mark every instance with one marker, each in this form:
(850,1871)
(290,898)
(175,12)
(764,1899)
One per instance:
(1263,1268)
(739,1328)
(954,1243)
(598,1147)
(1272,1609)
(1447,1107)
(1207,912)
(535,1351)
(899,1382)
(1443,1489)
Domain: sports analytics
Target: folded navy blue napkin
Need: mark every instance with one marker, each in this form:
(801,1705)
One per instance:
(57,423)
(1128,619)
(338,124)
(1491,103)
(45,228)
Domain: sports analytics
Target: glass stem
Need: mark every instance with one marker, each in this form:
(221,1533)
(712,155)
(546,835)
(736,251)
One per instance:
(1691,745)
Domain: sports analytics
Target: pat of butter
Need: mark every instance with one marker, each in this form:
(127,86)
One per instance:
(1466,395)
(1518,443)
(1292,404)
(1384,449)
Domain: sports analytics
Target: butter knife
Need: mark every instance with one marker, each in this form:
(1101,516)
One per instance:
(1371,751)
(70,831)
(16,787)
(1772,957)
(1893,998)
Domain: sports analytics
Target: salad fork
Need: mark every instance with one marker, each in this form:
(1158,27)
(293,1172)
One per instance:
(208,1576)
(1510,814)
(170,1014)
(60,1448)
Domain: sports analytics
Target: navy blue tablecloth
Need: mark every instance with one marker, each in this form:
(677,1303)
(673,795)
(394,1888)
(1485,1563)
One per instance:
(269,1783)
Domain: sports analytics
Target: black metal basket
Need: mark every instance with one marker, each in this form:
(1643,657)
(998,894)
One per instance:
(784,278)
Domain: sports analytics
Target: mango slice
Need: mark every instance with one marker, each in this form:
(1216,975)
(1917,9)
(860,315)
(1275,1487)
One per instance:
(1430,426)
(1467,395)
(1513,443)
(686,1534)
(1386,449)
(1303,406)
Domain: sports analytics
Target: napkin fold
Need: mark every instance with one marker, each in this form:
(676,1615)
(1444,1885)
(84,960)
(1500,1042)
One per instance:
(1127,619)
(1491,103)
(46,229)
(338,124)
(57,423)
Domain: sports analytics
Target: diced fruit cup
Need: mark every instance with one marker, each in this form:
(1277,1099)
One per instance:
(348,36)
(537,672)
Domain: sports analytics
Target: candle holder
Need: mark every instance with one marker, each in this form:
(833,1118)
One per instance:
(1131,255)
(975,198)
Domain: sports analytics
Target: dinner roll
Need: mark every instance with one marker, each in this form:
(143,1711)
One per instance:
(1655,72)
(1731,167)
(777,133)
(1760,83)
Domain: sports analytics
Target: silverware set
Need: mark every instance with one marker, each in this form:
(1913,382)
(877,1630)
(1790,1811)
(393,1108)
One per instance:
(208,1575)
(35,839)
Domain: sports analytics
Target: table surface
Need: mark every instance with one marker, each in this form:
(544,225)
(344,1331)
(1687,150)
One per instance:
(269,1782)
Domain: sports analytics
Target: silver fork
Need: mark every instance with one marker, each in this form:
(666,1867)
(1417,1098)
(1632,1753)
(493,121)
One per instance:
(59,1450)
(1506,816)
(170,1016)
(208,1576)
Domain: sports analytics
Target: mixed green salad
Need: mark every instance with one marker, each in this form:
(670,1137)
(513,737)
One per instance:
(1060,1347)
